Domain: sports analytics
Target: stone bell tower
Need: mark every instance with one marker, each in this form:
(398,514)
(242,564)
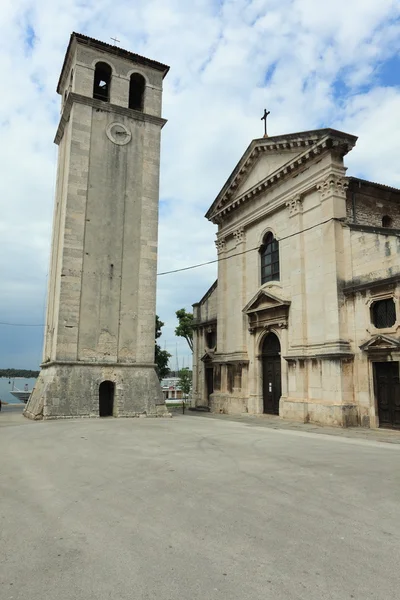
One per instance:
(99,339)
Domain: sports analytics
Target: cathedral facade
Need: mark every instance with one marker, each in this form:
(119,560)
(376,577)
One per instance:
(304,319)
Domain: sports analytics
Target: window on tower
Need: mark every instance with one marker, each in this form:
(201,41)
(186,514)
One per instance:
(102,82)
(136,92)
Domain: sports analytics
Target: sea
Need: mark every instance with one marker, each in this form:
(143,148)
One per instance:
(6,385)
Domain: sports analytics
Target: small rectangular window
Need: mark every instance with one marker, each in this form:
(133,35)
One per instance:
(384,313)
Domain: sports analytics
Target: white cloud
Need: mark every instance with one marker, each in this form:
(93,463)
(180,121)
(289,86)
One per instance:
(311,63)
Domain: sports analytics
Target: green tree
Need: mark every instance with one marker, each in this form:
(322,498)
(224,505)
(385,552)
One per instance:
(161,357)
(185,327)
(185,381)
(18,373)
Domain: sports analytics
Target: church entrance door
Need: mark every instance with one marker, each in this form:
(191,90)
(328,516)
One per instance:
(388,393)
(271,368)
(106,399)
(209,383)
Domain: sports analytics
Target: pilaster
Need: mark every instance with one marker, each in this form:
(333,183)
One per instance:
(332,192)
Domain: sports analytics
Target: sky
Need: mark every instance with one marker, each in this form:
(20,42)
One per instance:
(311,63)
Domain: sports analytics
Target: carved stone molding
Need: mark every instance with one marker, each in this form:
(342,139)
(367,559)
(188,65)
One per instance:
(220,245)
(295,205)
(334,185)
(281,325)
(239,235)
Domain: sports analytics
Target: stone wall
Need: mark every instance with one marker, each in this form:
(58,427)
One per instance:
(368,203)
(102,288)
(205,317)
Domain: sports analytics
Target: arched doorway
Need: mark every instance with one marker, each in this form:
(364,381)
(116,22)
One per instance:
(106,399)
(271,370)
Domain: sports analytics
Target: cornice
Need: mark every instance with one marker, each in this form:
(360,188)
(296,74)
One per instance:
(201,324)
(83,363)
(105,107)
(337,350)
(313,147)
(353,287)
(230,357)
(282,200)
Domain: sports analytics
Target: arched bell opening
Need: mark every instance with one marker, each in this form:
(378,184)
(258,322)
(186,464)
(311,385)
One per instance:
(137,87)
(102,82)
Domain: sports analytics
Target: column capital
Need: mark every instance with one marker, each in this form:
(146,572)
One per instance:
(333,185)
(220,245)
(295,205)
(239,235)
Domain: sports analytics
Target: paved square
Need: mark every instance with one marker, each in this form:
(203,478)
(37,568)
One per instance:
(195,508)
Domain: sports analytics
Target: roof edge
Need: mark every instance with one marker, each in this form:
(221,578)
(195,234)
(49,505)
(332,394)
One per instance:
(374,184)
(313,137)
(80,38)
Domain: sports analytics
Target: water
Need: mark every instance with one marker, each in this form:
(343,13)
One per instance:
(5,387)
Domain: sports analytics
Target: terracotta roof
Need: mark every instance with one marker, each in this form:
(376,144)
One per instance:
(116,50)
(374,183)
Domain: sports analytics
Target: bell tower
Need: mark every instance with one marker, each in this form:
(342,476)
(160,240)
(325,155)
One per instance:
(99,340)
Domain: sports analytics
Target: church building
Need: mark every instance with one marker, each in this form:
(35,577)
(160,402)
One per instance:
(304,319)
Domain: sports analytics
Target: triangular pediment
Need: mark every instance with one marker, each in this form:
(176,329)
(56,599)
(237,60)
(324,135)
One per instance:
(267,161)
(207,356)
(265,164)
(381,342)
(262,301)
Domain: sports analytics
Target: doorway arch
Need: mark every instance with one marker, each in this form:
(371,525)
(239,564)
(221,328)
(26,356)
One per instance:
(271,373)
(106,399)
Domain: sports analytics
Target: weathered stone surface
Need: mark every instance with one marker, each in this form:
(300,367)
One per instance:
(336,259)
(102,286)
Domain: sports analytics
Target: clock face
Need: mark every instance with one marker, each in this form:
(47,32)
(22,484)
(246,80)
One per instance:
(118,133)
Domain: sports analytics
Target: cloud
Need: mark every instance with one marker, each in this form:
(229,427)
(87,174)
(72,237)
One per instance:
(312,63)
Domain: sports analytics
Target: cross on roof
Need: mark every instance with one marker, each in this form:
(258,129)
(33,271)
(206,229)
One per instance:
(264,118)
(115,40)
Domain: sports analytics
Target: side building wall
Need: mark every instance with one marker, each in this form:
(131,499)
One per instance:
(374,266)
(204,346)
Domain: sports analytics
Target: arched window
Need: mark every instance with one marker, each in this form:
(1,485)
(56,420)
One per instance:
(136,92)
(102,82)
(387,221)
(269,252)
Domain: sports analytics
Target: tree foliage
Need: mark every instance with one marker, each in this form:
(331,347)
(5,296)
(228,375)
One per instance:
(161,357)
(18,373)
(185,381)
(185,327)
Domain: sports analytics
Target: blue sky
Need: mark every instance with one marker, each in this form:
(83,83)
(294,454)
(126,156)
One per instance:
(311,63)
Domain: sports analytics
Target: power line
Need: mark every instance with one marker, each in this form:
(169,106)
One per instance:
(210,262)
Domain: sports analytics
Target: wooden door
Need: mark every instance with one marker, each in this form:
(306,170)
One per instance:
(388,393)
(271,371)
(209,382)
